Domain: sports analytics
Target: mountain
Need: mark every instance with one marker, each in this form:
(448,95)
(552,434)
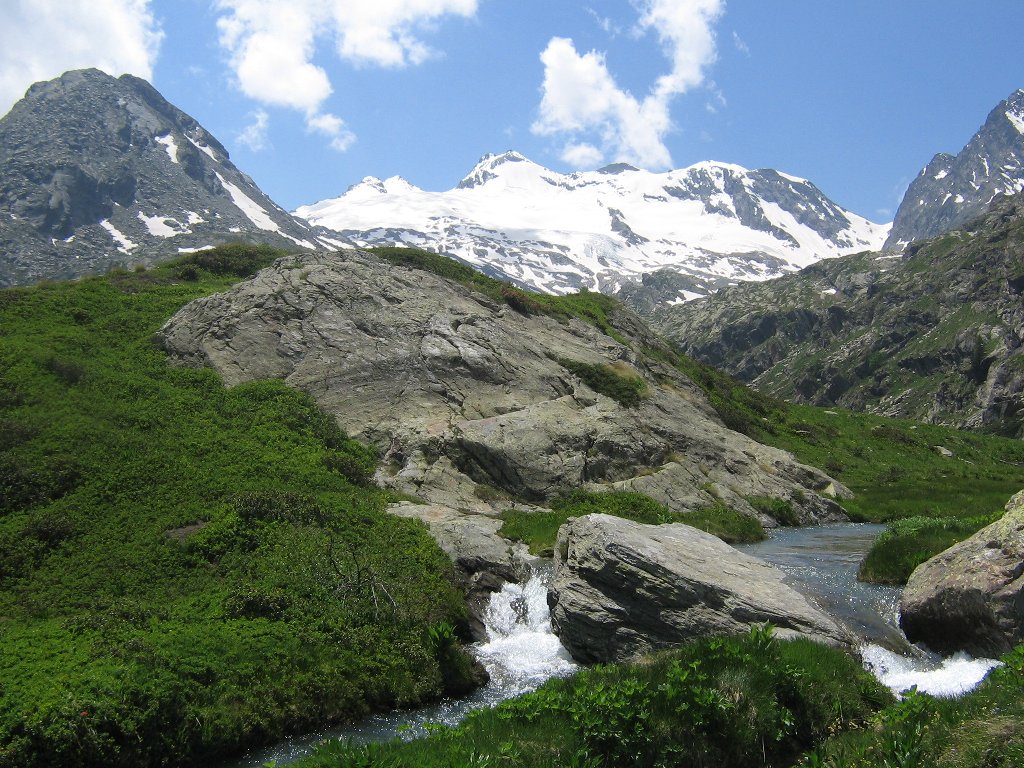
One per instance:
(950,191)
(511,218)
(97,171)
(935,334)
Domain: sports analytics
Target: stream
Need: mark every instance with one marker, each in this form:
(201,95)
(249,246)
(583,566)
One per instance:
(521,652)
(822,563)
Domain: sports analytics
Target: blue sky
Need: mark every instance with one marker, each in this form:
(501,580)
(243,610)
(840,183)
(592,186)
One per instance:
(310,96)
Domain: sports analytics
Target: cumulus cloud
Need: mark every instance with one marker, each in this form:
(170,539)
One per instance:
(581,99)
(41,39)
(254,135)
(272,44)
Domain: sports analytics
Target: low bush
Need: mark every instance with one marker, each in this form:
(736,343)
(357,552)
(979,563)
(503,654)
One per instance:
(539,530)
(722,702)
(908,542)
(626,389)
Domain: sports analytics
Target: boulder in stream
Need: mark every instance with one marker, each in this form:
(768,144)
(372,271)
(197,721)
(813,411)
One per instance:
(622,589)
(971,597)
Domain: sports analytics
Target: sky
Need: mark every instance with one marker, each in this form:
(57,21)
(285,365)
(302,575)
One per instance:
(311,96)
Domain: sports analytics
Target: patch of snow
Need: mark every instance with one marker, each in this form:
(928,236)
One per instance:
(248,206)
(195,250)
(158,226)
(124,245)
(958,199)
(829,292)
(234,229)
(203,148)
(170,146)
(194,218)
(941,175)
(1017,120)
(304,243)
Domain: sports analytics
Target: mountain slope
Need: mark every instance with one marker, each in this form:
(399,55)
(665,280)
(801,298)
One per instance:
(97,171)
(950,191)
(514,219)
(935,334)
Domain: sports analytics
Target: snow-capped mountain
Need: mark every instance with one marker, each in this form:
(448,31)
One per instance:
(950,191)
(512,218)
(97,171)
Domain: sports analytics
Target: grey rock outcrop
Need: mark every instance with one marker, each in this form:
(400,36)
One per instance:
(971,597)
(622,589)
(936,334)
(97,171)
(950,191)
(465,395)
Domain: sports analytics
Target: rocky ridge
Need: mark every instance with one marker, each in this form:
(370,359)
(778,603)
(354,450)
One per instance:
(466,396)
(98,172)
(952,190)
(934,334)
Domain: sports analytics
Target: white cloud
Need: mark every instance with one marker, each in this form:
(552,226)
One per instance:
(584,156)
(334,127)
(581,97)
(740,44)
(272,44)
(41,39)
(254,136)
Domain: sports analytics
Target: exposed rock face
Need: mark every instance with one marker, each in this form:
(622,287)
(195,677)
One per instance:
(464,395)
(97,171)
(971,597)
(622,589)
(935,334)
(950,191)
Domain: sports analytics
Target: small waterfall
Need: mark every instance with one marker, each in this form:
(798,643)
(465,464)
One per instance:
(520,653)
(934,675)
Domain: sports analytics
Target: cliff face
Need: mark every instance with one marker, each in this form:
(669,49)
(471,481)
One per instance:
(97,171)
(464,394)
(934,334)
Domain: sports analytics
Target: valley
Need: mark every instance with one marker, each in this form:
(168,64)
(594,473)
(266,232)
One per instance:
(265,472)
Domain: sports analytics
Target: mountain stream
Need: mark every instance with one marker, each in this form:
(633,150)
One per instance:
(521,651)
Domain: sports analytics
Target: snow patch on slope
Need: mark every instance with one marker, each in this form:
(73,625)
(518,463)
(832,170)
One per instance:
(124,245)
(170,145)
(248,206)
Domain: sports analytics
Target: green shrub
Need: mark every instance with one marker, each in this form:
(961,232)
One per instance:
(726,523)
(626,389)
(229,260)
(722,702)
(907,543)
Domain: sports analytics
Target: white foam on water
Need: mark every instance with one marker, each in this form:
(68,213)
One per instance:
(943,678)
(521,651)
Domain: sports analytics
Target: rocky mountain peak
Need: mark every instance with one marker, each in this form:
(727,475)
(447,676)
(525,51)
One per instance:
(514,219)
(952,190)
(97,171)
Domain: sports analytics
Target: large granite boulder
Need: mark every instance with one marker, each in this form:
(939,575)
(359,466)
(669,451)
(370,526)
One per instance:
(971,597)
(622,589)
(466,395)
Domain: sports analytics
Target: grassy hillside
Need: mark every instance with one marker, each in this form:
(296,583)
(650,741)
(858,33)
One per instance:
(185,569)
